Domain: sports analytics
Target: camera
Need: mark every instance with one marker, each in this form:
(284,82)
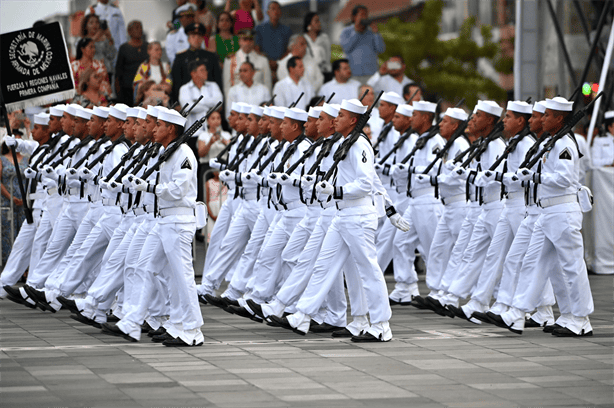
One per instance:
(104,25)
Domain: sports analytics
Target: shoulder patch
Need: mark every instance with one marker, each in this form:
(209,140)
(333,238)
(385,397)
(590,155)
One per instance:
(186,164)
(436,149)
(565,155)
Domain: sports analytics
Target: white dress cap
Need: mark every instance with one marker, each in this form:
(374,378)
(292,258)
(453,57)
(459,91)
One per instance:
(118,111)
(278,112)
(559,104)
(354,106)
(152,111)
(235,107)
(70,109)
(456,113)
(608,114)
(405,110)
(540,106)
(142,113)
(424,106)
(57,110)
(266,111)
(519,107)
(491,107)
(245,108)
(393,98)
(331,109)
(101,112)
(296,114)
(84,113)
(315,112)
(257,110)
(41,119)
(172,116)
(132,112)
(184,8)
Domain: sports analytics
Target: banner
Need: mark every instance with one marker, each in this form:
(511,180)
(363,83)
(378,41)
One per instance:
(35,67)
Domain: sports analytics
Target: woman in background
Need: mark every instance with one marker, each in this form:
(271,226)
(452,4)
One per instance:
(225,42)
(86,50)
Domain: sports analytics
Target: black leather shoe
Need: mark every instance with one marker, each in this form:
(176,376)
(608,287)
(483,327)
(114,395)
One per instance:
(256,308)
(199,236)
(69,304)
(113,330)
(456,311)
(498,321)
(14,295)
(552,327)
(178,342)
(159,331)
(532,323)
(215,300)
(565,332)
(161,338)
(112,318)
(366,338)
(202,300)
(281,322)
(342,333)
(240,311)
(418,302)
(85,320)
(481,317)
(436,306)
(324,328)
(39,296)
(146,328)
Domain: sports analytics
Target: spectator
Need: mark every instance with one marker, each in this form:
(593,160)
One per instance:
(298,48)
(130,56)
(272,37)
(362,44)
(90,90)
(243,17)
(210,143)
(247,90)
(103,41)
(246,53)
(602,150)
(409,90)
(318,43)
(85,59)
(394,80)
(204,15)
(375,122)
(198,86)
(111,19)
(342,84)
(154,69)
(177,40)
(150,93)
(174,24)
(10,193)
(289,88)
(216,195)
(180,72)
(225,42)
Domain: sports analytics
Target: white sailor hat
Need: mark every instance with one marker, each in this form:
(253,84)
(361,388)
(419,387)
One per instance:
(101,112)
(142,113)
(41,119)
(132,112)
(296,114)
(71,109)
(608,114)
(490,107)
(257,110)
(559,104)
(456,113)
(171,116)
(118,111)
(331,109)
(152,111)
(57,110)
(236,106)
(354,106)
(266,111)
(405,110)
(539,106)
(245,108)
(519,107)
(278,112)
(424,106)
(314,112)
(84,113)
(188,7)
(393,98)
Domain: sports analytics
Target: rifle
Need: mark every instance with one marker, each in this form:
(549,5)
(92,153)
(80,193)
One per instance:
(457,133)
(567,128)
(72,151)
(237,161)
(288,153)
(510,148)
(60,150)
(297,101)
(89,152)
(50,145)
(268,161)
(106,151)
(179,141)
(380,138)
(304,157)
(125,157)
(324,152)
(140,161)
(330,98)
(481,148)
(182,109)
(343,150)
(185,114)
(263,151)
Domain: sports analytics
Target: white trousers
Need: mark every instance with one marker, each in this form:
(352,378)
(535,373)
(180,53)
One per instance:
(220,229)
(19,258)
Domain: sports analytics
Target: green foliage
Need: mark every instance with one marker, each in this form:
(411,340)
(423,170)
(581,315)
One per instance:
(448,68)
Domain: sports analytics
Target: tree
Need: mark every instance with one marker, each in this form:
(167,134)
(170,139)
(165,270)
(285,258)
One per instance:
(447,68)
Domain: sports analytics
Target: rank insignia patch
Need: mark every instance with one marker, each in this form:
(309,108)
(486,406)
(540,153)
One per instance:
(186,165)
(565,155)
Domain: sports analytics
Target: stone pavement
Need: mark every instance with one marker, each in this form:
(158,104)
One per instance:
(50,360)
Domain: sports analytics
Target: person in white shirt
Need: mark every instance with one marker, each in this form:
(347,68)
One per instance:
(394,80)
(288,89)
(298,48)
(342,85)
(112,16)
(602,150)
(318,43)
(198,86)
(177,40)
(232,64)
(247,90)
